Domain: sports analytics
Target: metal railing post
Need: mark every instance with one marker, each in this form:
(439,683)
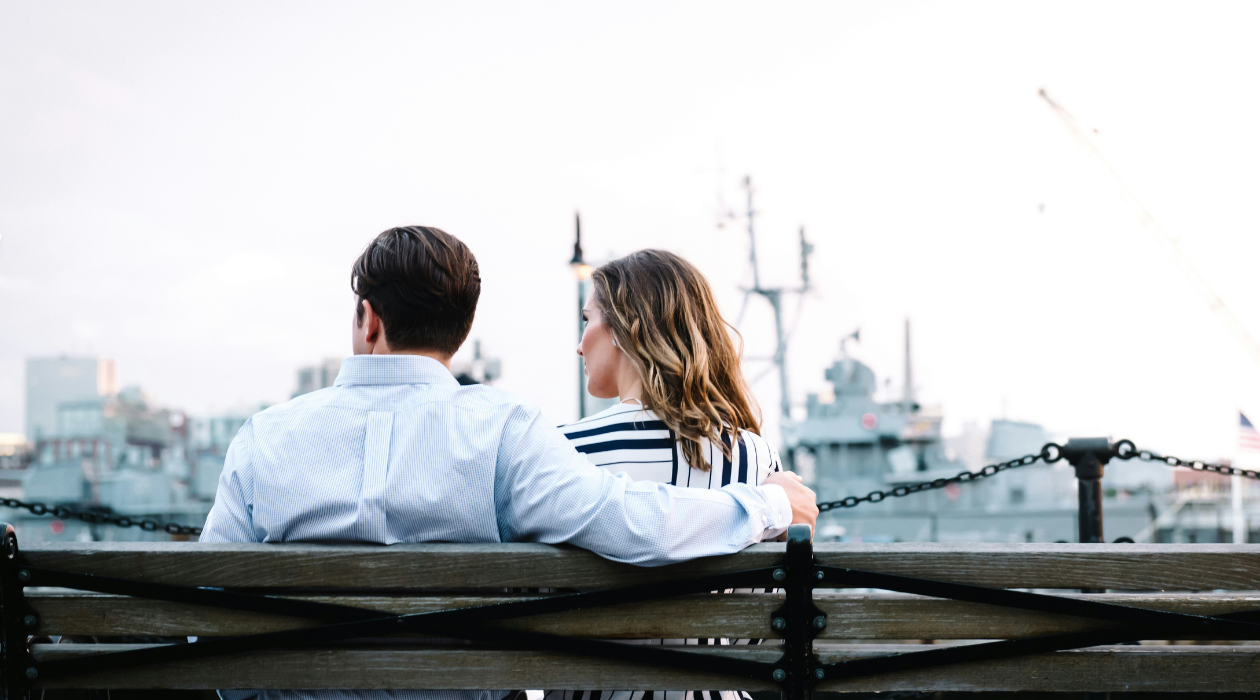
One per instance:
(1088,456)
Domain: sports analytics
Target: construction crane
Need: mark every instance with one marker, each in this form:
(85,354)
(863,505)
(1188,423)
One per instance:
(1169,242)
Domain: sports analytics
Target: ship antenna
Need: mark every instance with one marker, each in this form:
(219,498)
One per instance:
(752,236)
(908,394)
(807,249)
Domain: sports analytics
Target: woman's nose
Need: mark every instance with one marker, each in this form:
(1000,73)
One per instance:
(579,350)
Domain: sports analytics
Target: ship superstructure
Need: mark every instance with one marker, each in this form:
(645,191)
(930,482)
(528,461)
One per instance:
(858,444)
(849,443)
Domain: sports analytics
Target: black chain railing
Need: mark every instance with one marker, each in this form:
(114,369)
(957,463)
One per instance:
(95,517)
(1126,450)
(1050,453)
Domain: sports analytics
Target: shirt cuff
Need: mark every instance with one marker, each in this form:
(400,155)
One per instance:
(778,518)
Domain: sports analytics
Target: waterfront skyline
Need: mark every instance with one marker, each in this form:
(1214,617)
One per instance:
(184,188)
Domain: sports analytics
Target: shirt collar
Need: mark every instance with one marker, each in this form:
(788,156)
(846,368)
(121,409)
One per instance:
(364,370)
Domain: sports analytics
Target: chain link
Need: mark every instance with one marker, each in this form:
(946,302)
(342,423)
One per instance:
(1126,450)
(1049,454)
(99,518)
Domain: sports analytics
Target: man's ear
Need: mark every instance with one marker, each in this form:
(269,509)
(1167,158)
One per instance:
(370,323)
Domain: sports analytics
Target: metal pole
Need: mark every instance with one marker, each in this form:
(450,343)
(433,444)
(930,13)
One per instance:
(907,403)
(1089,495)
(1236,505)
(780,353)
(581,370)
(578,263)
(1088,456)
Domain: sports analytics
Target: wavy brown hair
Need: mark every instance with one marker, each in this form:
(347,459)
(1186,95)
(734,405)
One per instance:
(661,311)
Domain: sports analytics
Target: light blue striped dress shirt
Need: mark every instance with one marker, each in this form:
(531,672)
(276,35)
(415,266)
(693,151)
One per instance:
(397,451)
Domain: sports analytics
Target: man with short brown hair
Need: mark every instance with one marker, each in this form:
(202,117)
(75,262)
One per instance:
(397,451)
(423,283)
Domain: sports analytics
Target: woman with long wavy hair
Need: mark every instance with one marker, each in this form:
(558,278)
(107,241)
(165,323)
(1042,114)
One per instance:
(655,339)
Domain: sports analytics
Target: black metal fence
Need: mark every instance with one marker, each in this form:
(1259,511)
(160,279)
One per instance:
(1088,456)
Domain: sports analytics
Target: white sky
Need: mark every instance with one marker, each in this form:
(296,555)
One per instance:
(183,187)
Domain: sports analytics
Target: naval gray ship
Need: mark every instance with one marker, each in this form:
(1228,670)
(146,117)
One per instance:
(850,444)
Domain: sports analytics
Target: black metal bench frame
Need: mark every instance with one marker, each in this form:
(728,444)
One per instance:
(797,622)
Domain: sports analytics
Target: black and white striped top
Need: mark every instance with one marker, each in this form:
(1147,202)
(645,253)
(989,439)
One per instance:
(627,438)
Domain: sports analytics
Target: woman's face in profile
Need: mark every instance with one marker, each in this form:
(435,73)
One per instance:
(601,358)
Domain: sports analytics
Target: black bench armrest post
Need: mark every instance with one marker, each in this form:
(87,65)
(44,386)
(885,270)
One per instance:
(798,621)
(16,619)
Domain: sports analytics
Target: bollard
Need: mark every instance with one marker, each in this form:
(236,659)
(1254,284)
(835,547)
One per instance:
(1088,456)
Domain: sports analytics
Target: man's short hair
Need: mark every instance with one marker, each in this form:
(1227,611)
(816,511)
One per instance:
(423,283)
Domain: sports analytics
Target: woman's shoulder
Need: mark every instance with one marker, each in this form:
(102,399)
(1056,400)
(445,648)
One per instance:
(751,438)
(761,450)
(613,417)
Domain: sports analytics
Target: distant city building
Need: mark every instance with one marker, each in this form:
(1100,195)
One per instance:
(209,439)
(113,452)
(478,370)
(15,451)
(215,433)
(98,448)
(317,377)
(52,381)
(92,446)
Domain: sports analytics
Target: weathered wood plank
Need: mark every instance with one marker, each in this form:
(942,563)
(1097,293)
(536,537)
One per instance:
(875,616)
(895,616)
(1123,566)
(361,566)
(691,616)
(1187,669)
(1105,669)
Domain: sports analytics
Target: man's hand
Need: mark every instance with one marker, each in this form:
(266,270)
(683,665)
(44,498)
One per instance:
(804,500)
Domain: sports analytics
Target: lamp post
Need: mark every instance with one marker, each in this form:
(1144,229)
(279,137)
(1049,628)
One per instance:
(582,271)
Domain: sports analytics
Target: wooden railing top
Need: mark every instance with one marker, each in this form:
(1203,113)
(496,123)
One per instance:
(1113,566)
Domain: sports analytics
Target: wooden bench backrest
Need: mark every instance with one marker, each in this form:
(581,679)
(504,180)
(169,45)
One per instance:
(386,578)
(1177,567)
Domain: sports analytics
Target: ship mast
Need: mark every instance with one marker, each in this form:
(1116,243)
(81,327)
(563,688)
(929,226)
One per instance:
(774,295)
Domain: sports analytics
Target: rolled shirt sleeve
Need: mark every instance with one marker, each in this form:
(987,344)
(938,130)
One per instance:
(777,524)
